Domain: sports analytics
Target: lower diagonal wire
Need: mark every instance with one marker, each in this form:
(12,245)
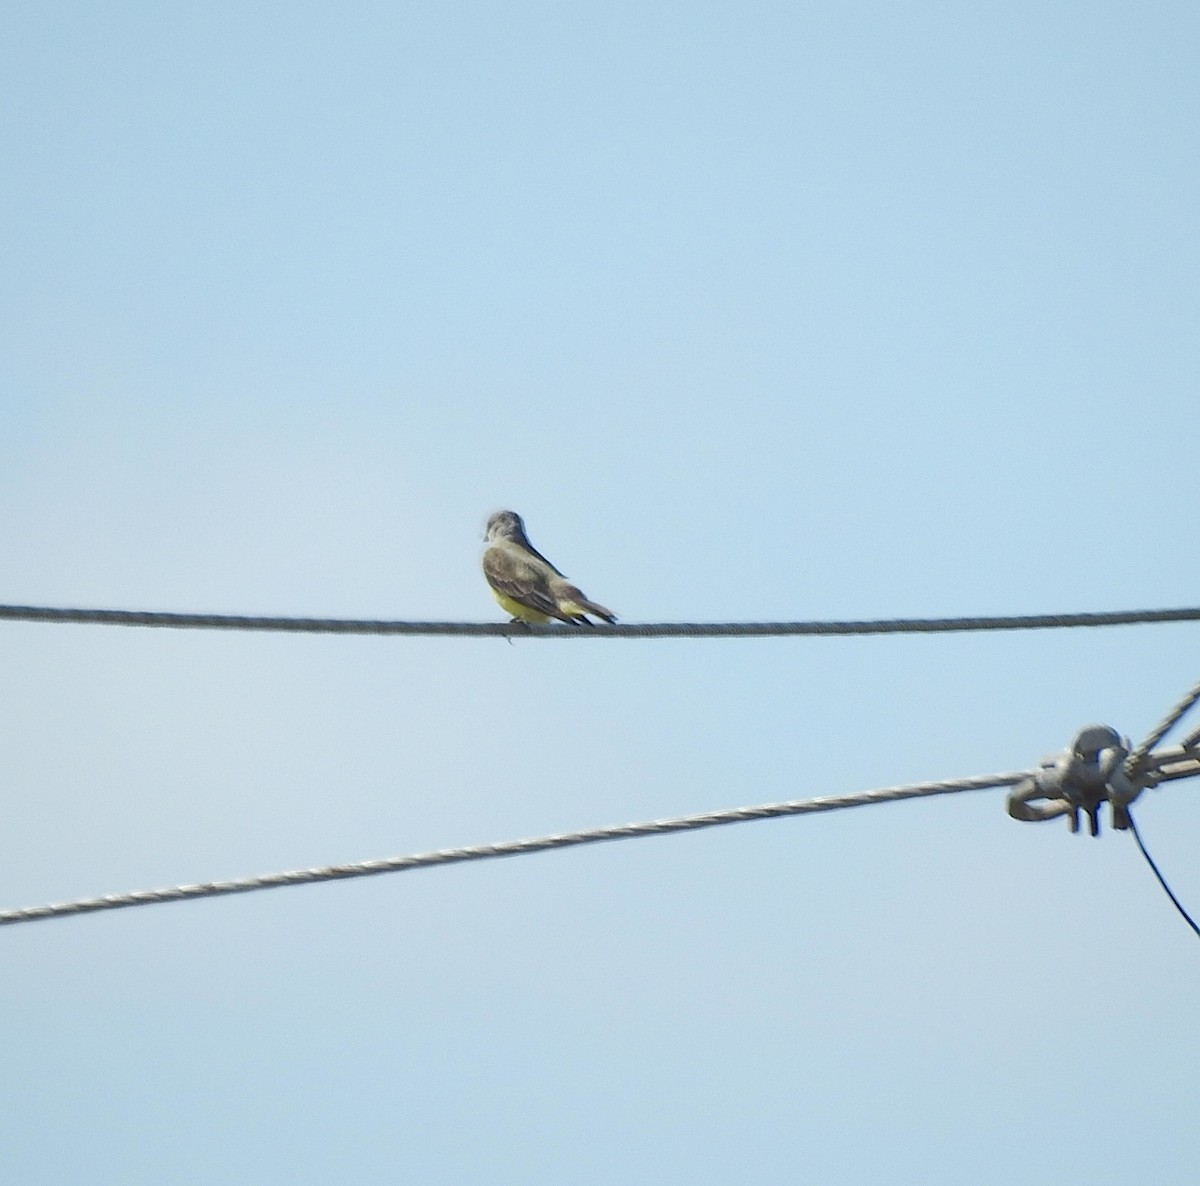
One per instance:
(511,848)
(1191,922)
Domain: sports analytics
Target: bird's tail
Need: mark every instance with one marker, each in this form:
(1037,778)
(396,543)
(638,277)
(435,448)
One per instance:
(573,603)
(598,611)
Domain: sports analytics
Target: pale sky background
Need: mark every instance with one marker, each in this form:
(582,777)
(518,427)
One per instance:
(753,311)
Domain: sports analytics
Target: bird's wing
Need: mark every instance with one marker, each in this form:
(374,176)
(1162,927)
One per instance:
(534,552)
(508,573)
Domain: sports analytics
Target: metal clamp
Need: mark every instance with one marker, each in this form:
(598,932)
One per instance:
(1090,773)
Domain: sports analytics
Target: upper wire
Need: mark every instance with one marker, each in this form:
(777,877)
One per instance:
(292,625)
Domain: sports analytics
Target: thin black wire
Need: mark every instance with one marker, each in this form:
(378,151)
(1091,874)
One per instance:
(1191,922)
(191,621)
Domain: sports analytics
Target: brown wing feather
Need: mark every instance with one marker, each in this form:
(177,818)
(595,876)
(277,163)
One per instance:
(510,575)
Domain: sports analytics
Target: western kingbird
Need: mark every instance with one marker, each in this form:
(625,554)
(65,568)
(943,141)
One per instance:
(525,583)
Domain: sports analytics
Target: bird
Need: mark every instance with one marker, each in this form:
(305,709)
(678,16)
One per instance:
(525,583)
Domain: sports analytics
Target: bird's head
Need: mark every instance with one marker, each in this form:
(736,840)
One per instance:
(505,525)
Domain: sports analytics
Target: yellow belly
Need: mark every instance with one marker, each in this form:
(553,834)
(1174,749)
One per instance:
(517,610)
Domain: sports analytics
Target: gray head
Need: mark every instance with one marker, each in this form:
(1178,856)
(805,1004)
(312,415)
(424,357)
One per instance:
(506,525)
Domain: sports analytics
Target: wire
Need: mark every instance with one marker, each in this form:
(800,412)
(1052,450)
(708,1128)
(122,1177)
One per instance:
(1191,922)
(1137,760)
(188,621)
(511,848)
(1135,766)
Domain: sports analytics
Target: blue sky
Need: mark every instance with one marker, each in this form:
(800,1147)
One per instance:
(754,312)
